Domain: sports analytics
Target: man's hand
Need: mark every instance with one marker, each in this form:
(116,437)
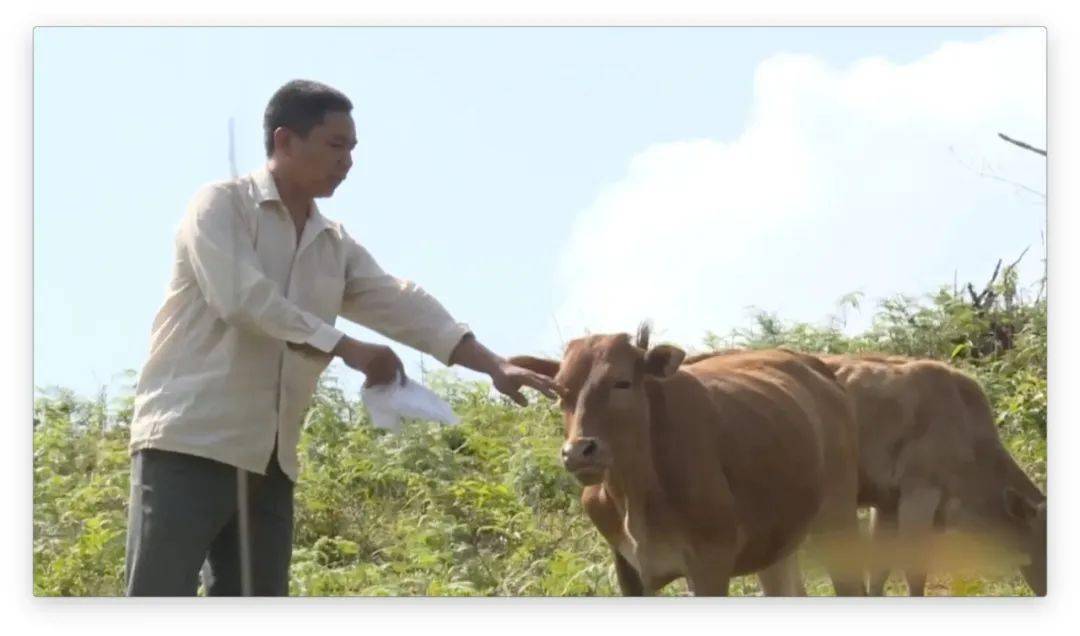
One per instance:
(509,379)
(378,363)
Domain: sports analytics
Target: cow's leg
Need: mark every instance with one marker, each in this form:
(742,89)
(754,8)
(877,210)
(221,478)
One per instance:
(783,578)
(882,538)
(846,573)
(709,574)
(605,517)
(841,544)
(915,523)
(916,581)
(630,583)
(835,531)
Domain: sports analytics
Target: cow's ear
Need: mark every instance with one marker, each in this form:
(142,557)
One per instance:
(543,366)
(1018,506)
(663,360)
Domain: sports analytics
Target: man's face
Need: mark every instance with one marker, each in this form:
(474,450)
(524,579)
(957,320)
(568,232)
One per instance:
(318,163)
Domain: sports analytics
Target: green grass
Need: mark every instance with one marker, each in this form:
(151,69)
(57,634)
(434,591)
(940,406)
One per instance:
(484,508)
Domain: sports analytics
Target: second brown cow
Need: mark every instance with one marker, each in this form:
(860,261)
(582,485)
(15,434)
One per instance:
(930,461)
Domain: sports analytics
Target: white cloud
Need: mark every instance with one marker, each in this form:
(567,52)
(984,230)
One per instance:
(862,178)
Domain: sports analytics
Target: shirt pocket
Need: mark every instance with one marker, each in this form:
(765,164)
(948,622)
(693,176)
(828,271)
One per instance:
(324,287)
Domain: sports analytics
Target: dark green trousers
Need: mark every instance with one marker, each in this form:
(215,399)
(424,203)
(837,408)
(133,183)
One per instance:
(184,511)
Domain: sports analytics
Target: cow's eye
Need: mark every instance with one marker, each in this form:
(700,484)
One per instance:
(622,384)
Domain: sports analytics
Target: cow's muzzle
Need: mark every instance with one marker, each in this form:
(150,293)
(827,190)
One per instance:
(586,458)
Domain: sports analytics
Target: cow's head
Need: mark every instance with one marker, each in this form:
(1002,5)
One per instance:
(606,407)
(1027,519)
(1015,519)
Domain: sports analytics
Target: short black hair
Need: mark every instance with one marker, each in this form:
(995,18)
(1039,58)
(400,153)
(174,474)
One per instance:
(300,105)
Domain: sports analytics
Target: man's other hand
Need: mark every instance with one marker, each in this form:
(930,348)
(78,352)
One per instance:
(378,363)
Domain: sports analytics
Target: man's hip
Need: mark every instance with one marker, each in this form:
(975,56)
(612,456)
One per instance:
(183,511)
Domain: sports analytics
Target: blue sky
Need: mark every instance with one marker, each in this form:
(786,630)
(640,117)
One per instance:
(543,181)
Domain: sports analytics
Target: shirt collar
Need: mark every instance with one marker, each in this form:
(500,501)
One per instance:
(266,190)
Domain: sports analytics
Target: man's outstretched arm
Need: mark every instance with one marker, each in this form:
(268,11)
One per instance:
(507,378)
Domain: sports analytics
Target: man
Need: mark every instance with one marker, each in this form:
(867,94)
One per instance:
(246,329)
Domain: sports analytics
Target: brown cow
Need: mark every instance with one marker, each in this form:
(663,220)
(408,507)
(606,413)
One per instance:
(930,459)
(710,470)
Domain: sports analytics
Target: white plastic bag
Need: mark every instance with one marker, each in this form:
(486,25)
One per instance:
(388,404)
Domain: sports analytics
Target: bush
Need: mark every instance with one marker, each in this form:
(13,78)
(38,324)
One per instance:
(484,508)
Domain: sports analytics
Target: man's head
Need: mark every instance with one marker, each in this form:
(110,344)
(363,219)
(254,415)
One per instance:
(310,136)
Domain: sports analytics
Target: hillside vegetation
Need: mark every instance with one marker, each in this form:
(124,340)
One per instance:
(484,508)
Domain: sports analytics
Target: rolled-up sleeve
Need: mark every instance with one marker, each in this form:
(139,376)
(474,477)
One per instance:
(221,253)
(396,308)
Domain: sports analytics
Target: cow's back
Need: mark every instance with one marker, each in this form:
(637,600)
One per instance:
(919,420)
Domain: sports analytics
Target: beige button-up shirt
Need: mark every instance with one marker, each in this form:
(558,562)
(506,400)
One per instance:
(220,381)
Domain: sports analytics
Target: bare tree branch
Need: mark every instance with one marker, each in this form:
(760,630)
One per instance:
(1013,183)
(994,276)
(983,300)
(986,172)
(1017,261)
(1022,144)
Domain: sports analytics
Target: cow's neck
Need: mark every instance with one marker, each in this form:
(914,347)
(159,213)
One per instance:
(632,487)
(637,500)
(998,467)
(993,471)
(633,483)
(1020,482)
